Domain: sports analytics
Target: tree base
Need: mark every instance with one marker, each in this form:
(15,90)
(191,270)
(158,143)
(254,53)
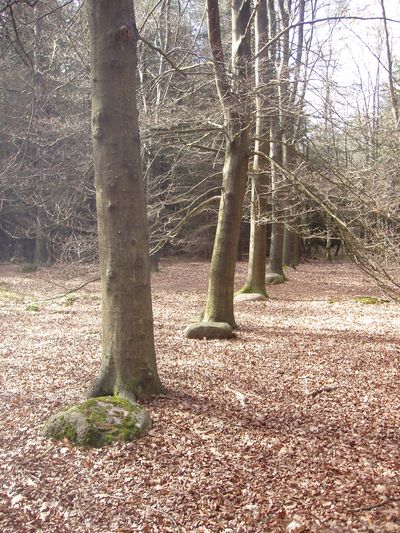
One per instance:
(291,265)
(250,297)
(209,330)
(106,385)
(274,279)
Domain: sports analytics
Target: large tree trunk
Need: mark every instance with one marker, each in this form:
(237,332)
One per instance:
(291,242)
(128,364)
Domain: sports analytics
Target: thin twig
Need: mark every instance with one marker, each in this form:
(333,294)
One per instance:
(162,53)
(323,389)
(97,278)
(374,505)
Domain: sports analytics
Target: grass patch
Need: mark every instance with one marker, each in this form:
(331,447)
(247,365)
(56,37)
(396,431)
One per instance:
(70,300)
(33,307)
(7,295)
(370,300)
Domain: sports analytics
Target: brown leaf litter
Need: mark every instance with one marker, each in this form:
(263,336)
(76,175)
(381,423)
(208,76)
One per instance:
(291,427)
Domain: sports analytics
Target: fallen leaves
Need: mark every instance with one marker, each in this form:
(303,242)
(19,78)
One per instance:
(292,427)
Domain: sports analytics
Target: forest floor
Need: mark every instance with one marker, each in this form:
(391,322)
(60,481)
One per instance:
(294,426)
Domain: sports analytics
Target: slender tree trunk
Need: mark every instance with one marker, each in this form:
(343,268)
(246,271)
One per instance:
(328,245)
(233,98)
(41,254)
(275,263)
(290,237)
(128,363)
(219,306)
(290,107)
(394,101)
(255,282)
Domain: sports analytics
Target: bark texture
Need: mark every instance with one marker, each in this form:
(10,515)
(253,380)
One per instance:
(291,248)
(128,361)
(255,281)
(275,264)
(233,98)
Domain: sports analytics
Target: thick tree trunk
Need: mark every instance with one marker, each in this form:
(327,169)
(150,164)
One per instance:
(291,243)
(128,363)
(275,264)
(288,247)
(255,281)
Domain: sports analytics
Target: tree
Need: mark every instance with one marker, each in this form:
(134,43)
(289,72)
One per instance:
(255,282)
(46,178)
(233,97)
(129,364)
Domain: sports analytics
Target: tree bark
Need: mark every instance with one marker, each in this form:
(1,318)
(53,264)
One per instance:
(255,282)
(128,360)
(233,98)
(290,237)
(275,263)
(219,306)
(41,254)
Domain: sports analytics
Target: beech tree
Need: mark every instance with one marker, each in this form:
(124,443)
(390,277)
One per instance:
(129,364)
(218,317)
(255,282)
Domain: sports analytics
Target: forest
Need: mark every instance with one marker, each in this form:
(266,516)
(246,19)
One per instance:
(199,266)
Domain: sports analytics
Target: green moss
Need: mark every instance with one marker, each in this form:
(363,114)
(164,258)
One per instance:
(66,430)
(7,295)
(248,289)
(286,267)
(369,300)
(275,279)
(99,421)
(70,300)
(33,307)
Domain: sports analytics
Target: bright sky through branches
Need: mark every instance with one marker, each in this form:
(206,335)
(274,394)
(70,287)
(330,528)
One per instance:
(356,53)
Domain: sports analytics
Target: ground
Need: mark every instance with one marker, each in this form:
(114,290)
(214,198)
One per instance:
(292,426)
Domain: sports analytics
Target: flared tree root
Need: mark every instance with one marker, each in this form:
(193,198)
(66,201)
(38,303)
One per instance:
(209,330)
(274,279)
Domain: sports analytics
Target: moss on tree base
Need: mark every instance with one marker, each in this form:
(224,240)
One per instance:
(98,422)
(248,293)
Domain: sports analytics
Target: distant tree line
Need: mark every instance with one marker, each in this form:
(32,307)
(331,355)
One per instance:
(206,92)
